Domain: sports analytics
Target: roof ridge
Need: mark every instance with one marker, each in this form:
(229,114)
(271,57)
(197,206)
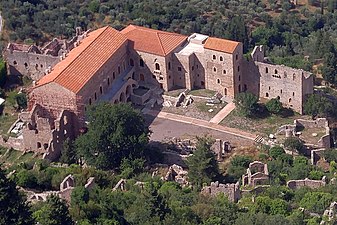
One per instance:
(161,44)
(79,54)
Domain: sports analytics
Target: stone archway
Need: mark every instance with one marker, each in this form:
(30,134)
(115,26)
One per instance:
(128,91)
(122,97)
(116,101)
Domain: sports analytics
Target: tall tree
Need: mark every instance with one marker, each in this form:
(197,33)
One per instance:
(116,132)
(54,212)
(13,207)
(203,167)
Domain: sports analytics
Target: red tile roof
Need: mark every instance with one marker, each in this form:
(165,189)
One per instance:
(153,41)
(221,45)
(85,60)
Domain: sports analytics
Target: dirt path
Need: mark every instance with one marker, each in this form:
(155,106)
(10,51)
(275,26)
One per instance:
(201,123)
(223,113)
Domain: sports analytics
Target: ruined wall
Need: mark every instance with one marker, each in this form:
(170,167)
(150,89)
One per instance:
(30,64)
(232,191)
(318,123)
(295,184)
(11,142)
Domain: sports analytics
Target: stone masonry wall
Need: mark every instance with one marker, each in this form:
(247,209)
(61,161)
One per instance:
(295,184)
(232,191)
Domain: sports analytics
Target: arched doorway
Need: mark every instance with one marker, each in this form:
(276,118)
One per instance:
(128,91)
(122,97)
(141,77)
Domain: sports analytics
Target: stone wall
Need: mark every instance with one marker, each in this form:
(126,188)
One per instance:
(232,191)
(296,184)
(317,123)
(12,142)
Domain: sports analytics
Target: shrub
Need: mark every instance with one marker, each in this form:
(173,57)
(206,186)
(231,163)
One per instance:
(293,143)
(274,106)
(276,152)
(246,103)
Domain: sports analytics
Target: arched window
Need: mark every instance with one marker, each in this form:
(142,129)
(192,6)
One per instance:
(141,62)
(269,88)
(26,65)
(113,75)
(131,62)
(225,91)
(15,63)
(224,71)
(294,76)
(119,70)
(221,58)
(281,91)
(238,68)
(275,71)
(293,93)
(239,78)
(89,101)
(289,100)
(157,66)
(266,69)
(214,69)
(214,57)
(267,95)
(169,65)
(239,88)
(218,81)
(95,96)
(101,89)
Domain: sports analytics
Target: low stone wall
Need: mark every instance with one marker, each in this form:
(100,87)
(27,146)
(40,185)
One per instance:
(318,123)
(141,99)
(295,184)
(15,143)
(255,191)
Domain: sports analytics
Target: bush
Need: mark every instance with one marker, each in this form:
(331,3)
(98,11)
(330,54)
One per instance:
(3,73)
(316,175)
(21,100)
(276,152)
(274,106)
(246,103)
(293,143)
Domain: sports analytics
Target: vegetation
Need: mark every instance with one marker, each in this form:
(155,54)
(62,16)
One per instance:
(116,132)
(293,143)
(318,105)
(53,212)
(274,106)
(202,164)
(3,73)
(13,206)
(246,103)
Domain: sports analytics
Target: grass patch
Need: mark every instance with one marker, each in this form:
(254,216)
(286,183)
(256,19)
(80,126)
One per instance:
(202,93)
(263,126)
(6,122)
(174,93)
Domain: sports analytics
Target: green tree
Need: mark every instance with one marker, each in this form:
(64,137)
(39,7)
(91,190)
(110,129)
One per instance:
(203,167)
(3,73)
(246,103)
(21,100)
(317,105)
(13,207)
(293,143)
(54,212)
(316,201)
(276,151)
(274,106)
(68,152)
(116,132)
(79,197)
(238,166)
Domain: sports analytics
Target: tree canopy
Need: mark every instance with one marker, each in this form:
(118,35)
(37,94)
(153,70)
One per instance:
(115,132)
(203,167)
(13,207)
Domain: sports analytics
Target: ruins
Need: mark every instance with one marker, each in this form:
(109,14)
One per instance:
(66,188)
(257,174)
(134,60)
(232,191)
(295,184)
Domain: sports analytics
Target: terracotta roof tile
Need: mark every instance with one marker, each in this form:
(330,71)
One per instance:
(153,41)
(221,45)
(83,61)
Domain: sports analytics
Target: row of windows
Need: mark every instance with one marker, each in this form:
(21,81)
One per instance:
(222,59)
(285,75)
(281,91)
